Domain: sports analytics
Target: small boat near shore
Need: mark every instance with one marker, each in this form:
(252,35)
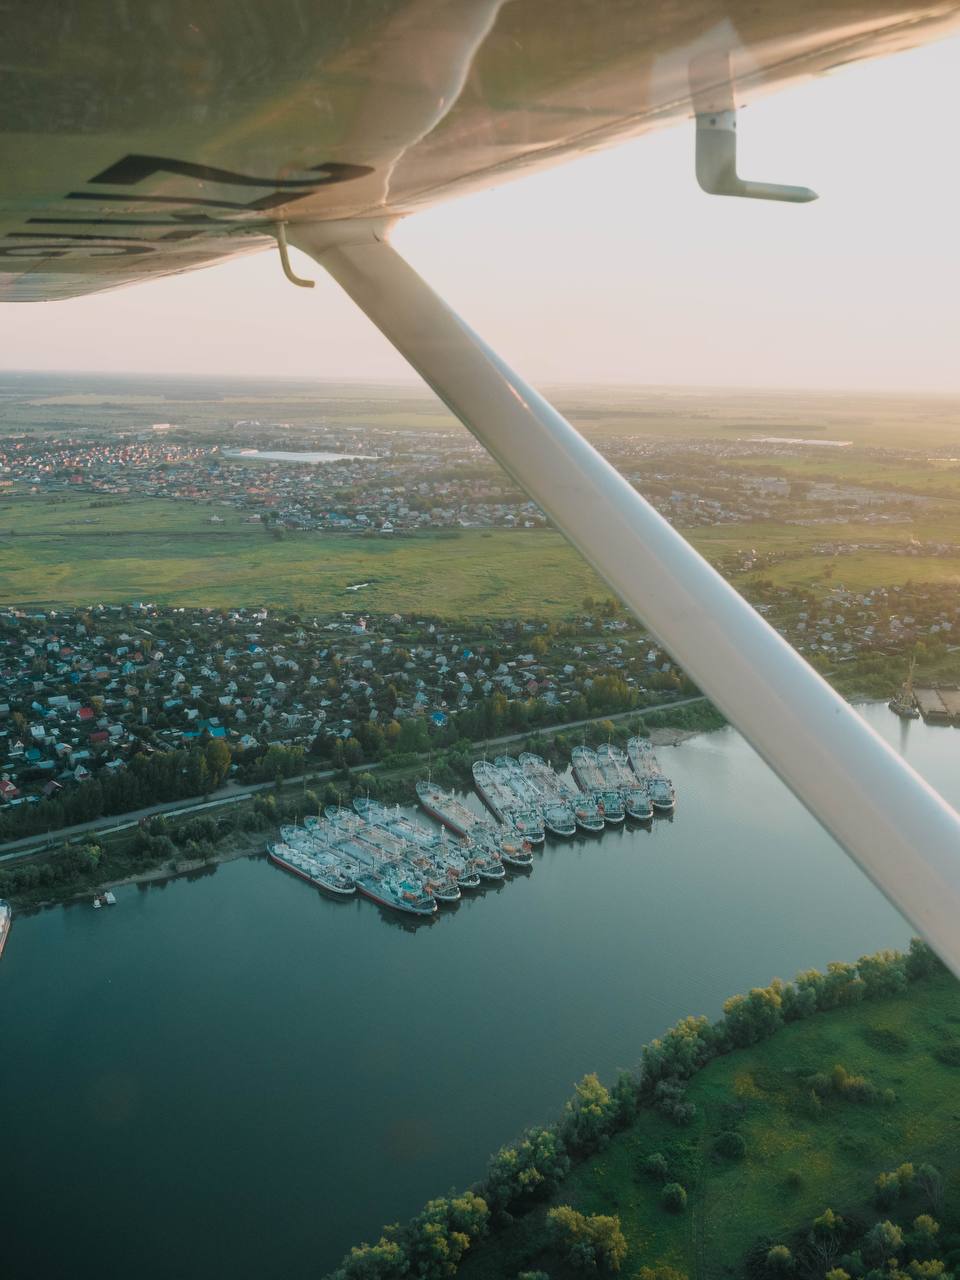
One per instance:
(6,919)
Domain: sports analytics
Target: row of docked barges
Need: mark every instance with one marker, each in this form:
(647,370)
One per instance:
(396,861)
(611,785)
(400,863)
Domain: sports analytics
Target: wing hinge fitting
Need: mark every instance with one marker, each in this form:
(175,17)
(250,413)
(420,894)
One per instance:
(716,164)
(288,271)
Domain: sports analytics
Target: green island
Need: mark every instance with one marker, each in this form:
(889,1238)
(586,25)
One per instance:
(811,1132)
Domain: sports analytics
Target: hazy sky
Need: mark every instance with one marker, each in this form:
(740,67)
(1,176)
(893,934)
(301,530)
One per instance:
(617,268)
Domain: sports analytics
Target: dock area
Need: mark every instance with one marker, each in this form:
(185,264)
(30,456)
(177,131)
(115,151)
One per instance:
(938,706)
(398,862)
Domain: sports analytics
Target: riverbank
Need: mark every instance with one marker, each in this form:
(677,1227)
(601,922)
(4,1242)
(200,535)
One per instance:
(138,847)
(597,943)
(243,848)
(758,1140)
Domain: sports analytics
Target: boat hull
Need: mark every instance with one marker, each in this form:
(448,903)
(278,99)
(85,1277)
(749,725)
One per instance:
(443,818)
(563,832)
(405,908)
(333,890)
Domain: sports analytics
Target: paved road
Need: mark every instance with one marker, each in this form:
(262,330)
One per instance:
(235,791)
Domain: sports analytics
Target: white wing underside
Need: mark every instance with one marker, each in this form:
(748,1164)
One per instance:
(144,140)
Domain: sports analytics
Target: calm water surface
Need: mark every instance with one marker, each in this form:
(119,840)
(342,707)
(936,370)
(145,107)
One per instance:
(280,455)
(232,1076)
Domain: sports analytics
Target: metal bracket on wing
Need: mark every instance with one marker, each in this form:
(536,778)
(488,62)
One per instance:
(716,164)
(288,271)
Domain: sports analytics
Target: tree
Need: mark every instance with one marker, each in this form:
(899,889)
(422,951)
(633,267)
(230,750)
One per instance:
(587,1119)
(673,1197)
(779,1259)
(90,854)
(825,1237)
(883,1240)
(923,1238)
(219,759)
(588,1242)
(656,1166)
(731,1145)
(886,1190)
(930,1183)
(381,1261)
(535,1166)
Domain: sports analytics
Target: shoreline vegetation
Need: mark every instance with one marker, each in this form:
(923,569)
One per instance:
(161,847)
(753,1114)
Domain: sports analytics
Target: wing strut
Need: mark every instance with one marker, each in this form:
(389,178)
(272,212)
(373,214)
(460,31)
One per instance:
(897,828)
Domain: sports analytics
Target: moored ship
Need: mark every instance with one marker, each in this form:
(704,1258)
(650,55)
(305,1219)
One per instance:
(615,767)
(449,810)
(593,780)
(389,887)
(557,798)
(507,804)
(904,703)
(644,762)
(326,876)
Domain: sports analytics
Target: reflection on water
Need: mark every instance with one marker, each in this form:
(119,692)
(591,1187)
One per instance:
(233,1049)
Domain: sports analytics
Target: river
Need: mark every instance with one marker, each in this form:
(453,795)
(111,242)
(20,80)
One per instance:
(232,1076)
(280,455)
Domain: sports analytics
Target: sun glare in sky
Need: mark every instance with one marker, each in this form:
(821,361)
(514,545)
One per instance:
(616,268)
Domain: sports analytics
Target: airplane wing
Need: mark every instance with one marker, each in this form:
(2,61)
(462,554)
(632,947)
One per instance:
(143,140)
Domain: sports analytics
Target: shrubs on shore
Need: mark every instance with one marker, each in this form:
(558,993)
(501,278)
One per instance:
(860,1247)
(531,1170)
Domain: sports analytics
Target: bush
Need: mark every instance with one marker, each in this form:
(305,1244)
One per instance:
(731,1145)
(673,1197)
(886,1039)
(779,1259)
(655,1166)
(948,1054)
(670,1098)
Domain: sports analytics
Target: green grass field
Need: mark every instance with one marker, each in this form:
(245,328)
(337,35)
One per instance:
(69,551)
(797,1162)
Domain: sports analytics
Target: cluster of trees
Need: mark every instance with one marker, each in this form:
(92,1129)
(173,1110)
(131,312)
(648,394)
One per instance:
(531,1170)
(748,1019)
(587,1241)
(430,1247)
(149,778)
(70,866)
(858,1247)
(276,762)
(841,1083)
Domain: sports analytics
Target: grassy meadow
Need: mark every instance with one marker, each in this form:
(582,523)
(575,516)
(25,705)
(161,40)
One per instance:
(71,551)
(799,1159)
